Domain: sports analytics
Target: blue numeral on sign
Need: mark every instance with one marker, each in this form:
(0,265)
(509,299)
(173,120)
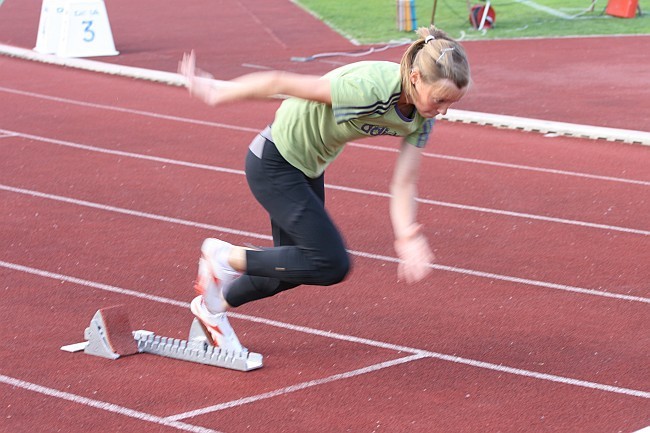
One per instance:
(89,33)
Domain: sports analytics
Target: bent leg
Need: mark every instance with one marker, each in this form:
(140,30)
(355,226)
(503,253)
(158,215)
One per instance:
(309,249)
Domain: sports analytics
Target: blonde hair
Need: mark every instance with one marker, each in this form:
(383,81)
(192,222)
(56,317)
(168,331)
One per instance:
(437,57)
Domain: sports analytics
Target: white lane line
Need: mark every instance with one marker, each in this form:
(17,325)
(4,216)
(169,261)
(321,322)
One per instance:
(102,405)
(342,337)
(131,212)
(453,115)
(123,153)
(501,212)
(420,355)
(513,166)
(261,25)
(546,9)
(352,144)
(342,188)
(379,257)
(130,111)
(294,388)
(643,430)
(92,284)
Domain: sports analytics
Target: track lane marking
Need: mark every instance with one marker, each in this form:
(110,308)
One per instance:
(419,353)
(351,144)
(453,269)
(511,165)
(338,187)
(293,388)
(102,405)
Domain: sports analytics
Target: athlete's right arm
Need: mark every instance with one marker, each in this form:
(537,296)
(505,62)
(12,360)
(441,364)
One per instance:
(256,85)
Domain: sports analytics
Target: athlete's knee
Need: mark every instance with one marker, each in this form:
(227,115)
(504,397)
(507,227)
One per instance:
(336,269)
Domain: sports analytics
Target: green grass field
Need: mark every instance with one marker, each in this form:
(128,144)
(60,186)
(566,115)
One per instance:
(374,21)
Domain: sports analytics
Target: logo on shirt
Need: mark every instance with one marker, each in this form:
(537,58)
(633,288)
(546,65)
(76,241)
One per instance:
(374,130)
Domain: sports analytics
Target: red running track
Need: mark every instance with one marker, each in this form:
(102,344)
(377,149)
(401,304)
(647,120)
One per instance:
(534,319)
(564,348)
(599,81)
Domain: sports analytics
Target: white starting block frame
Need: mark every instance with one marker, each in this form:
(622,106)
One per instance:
(102,341)
(75,28)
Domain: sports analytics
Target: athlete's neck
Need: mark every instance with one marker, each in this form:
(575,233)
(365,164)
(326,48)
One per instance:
(405,107)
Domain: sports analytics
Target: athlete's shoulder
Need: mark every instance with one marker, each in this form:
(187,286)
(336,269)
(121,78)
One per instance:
(366,69)
(364,88)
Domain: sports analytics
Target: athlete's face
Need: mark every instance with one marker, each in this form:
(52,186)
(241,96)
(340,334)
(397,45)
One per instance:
(431,99)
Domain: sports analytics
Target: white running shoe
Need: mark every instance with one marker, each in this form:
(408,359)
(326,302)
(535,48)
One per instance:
(207,286)
(215,252)
(205,282)
(216,326)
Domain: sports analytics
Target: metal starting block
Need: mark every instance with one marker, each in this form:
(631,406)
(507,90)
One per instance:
(110,336)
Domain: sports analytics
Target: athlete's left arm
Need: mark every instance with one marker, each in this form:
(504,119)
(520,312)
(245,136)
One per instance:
(410,244)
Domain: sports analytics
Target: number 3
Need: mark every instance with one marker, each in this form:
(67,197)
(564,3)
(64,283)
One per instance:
(89,33)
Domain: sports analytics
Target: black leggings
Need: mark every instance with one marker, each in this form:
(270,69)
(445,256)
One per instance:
(308,248)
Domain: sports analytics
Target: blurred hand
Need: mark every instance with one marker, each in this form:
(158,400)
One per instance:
(198,82)
(415,255)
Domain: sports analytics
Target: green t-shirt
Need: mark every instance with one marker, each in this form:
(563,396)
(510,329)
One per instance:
(309,135)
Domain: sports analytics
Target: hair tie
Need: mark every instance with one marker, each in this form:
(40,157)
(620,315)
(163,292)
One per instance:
(428,39)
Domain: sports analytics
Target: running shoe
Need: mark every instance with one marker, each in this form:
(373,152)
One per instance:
(205,281)
(216,326)
(215,252)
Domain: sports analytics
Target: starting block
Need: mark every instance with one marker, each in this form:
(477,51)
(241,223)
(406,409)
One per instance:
(110,336)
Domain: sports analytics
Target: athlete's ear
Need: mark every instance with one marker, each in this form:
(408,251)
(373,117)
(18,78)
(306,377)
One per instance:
(414,76)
